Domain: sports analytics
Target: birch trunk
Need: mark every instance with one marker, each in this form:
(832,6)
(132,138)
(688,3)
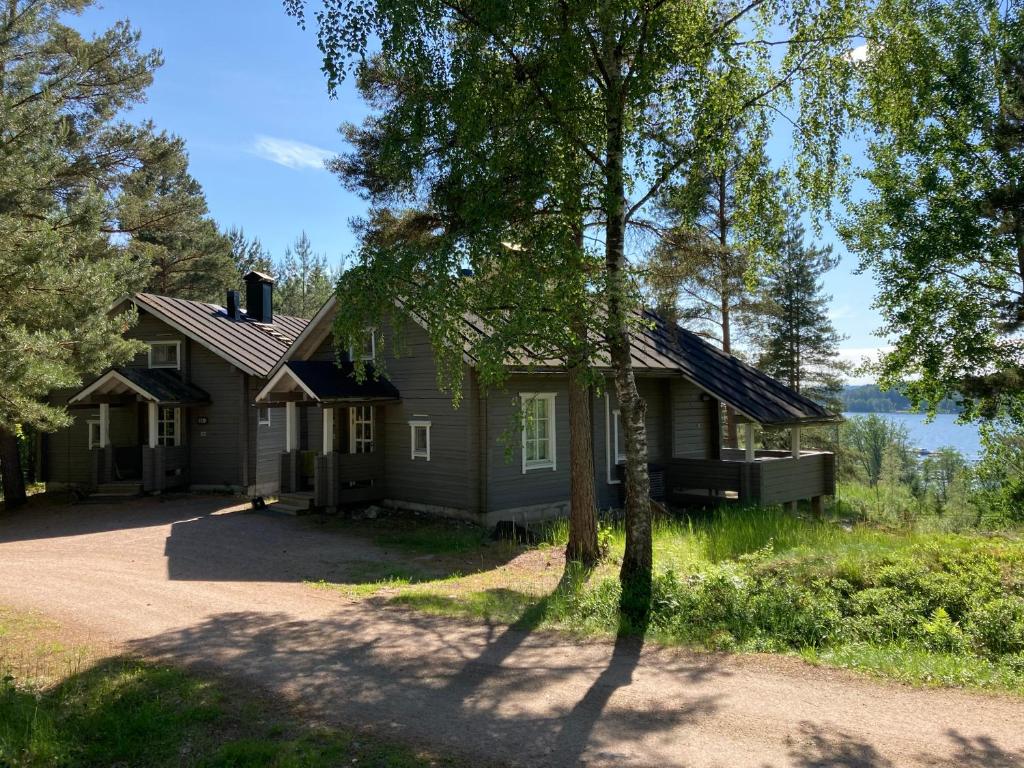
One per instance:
(637,561)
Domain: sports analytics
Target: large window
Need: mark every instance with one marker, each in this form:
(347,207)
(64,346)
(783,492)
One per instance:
(167,427)
(419,436)
(165,354)
(361,429)
(538,412)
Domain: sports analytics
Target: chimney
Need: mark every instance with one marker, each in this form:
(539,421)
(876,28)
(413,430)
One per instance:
(259,297)
(234,305)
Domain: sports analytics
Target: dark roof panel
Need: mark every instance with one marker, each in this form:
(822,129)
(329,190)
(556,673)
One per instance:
(253,346)
(164,385)
(328,381)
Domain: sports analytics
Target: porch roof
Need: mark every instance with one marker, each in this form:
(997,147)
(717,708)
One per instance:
(324,381)
(157,385)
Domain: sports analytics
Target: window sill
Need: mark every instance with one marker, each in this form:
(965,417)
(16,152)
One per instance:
(532,467)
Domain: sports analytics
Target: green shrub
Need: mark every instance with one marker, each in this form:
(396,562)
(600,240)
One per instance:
(997,627)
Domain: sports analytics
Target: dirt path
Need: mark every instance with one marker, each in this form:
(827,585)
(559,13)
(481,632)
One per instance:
(202,583)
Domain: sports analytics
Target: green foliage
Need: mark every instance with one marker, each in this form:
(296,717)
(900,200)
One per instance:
(868,445)
(63,159)
(943,226)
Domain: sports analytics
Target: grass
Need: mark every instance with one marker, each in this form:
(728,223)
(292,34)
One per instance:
(924,608)
(59,709)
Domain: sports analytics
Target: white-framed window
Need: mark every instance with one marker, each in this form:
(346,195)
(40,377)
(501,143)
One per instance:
(360,422)
(618,438)
(538,412)
(94,433)
(419,437)
(264,415)
(168,425)
(165,354)
(366,350)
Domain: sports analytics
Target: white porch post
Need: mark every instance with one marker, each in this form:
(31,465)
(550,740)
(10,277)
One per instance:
(104,425)
(750,441)
(291,428)
(328,430)
(153,416)
(794,440)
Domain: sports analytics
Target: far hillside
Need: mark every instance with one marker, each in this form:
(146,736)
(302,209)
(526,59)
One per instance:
(868,398)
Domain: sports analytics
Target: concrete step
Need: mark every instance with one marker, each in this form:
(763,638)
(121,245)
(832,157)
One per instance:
(118,489)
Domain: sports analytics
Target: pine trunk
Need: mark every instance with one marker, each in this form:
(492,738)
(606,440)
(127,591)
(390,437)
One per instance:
(582,546)
(10,470)
(637,560)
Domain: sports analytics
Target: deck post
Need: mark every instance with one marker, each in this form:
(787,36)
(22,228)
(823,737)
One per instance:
(153,417)
(794,441)
(328,445)
(104,425)
(749,433)
(817,507)
(291,428)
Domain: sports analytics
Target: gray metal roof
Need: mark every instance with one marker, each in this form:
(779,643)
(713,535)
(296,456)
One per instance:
(753,393)
(160,385)
(252,346)
(331,381)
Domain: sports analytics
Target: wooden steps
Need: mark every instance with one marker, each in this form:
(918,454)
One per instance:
(118,489)
(297,503)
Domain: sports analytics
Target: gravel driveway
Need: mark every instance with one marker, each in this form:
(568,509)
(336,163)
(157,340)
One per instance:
(201,582)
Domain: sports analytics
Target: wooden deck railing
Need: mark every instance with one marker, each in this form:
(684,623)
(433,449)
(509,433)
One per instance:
(774,477)
(348,478)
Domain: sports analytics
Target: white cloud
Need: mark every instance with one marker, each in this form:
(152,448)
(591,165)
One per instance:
(858,54)
(290,154)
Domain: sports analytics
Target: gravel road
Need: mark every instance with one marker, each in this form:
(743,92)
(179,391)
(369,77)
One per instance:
(203,583)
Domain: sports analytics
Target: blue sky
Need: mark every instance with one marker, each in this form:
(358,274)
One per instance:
(241,83)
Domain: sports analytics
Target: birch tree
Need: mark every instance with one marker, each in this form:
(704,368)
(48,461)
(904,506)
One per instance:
(629,91)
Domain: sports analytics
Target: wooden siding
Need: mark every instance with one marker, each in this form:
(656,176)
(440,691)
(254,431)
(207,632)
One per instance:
(813,474)
(149,328)
(219,447)
(508,487)
(693,433)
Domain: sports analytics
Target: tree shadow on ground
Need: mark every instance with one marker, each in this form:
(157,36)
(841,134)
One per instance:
(480,692)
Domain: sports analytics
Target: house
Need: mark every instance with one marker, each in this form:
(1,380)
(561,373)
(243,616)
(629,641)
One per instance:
(181,414)
(399,440)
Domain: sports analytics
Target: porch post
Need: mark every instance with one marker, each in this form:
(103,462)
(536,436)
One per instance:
(328,430)
(750,441)
(291,428)
(794,439)
(153,411)
(104,425)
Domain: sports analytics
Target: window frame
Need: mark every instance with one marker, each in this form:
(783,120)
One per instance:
(618,458)
(177,354)
(419,422)
(354,442)
(90,423)
(174,438)
(373,348)
(526,398)
(259,416)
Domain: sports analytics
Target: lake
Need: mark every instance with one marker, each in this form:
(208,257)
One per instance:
(943,430)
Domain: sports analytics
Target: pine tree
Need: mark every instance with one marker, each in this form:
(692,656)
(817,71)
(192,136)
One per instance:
(63,158)
(172,238)
(305,281)
(796,340)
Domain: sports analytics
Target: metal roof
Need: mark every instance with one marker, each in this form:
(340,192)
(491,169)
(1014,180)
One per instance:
(248,344)
(330,381)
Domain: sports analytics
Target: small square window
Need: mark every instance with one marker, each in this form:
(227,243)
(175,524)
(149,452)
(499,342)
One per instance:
(419,437)
(264,415)
(164,354)
(367,348)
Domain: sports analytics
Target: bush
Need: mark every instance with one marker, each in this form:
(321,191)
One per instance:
(997,627)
